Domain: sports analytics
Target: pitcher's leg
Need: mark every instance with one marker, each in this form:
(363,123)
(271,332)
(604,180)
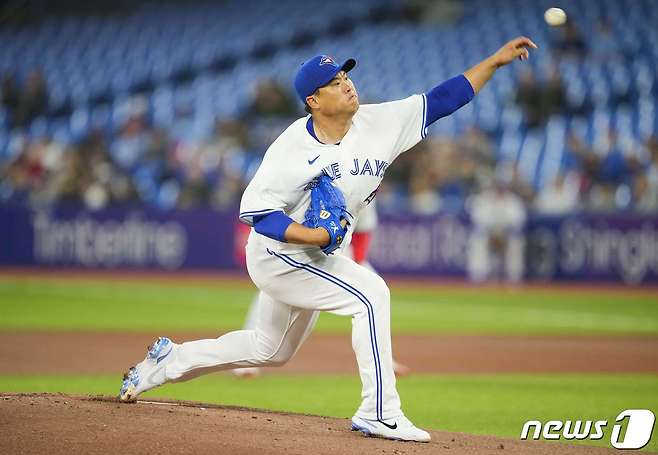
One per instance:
(279,331)
(251,371)
(341,286)
(252,313)
(371,341)
(250,324)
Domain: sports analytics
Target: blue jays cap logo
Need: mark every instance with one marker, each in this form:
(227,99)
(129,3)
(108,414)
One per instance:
(326,60)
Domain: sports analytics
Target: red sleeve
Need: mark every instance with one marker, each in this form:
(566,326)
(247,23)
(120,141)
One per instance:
(360,245)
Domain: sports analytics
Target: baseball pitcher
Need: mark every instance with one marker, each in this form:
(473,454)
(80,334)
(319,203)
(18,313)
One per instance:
(314,181)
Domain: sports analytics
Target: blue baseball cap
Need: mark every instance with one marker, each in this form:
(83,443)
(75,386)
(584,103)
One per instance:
(317,72)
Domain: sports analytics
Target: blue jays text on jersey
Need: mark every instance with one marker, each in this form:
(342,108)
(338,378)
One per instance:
(361,167)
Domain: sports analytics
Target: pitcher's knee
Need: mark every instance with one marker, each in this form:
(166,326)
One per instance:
(378,294)
(274,359)
(270,355)
(278,360)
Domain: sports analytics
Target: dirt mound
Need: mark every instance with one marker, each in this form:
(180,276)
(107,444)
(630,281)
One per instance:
(58,424)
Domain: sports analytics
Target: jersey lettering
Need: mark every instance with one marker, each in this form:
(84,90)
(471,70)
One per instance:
(355,171)
(381,168)
(332,171)
(366,168)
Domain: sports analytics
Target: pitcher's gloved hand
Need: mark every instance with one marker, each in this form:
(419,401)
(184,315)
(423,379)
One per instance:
(328,211)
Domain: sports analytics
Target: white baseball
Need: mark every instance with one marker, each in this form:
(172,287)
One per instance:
(555,17)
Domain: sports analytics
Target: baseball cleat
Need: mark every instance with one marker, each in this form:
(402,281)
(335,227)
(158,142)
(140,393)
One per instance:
(150,372)
(399,429)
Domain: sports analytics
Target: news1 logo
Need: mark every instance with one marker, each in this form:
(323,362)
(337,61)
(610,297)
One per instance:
(638,429)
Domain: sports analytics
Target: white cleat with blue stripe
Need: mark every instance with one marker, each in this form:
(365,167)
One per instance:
(399,429)
(150,372)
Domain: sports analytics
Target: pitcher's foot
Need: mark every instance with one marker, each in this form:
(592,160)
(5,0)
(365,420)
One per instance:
(400,429)
(149,373)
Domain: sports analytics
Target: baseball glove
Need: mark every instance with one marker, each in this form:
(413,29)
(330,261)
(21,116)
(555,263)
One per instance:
(328,211)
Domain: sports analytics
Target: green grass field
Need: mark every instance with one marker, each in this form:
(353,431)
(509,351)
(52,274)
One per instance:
(102,305)
(483,404)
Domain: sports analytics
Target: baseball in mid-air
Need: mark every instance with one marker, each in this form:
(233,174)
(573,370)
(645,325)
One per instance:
(555,17)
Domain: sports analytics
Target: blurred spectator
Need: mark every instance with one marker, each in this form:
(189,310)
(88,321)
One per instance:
(43,159)
(645,184)
(228,191)
(614,166)
(25,179)
(423,198)
(70,182)
(529,98)
(554,94)
(540,101)
(196,191)
(33,100)
(272,100)
(497,242)
(10,98)
(608,170)
(15,184)
(652,152)
(453,173)
(509,174)
(231,146)
(435,12)
(132,142)
(645,194)
(584,161)
(612,186)
(570,42)
(107,183)
(560,197)
(269,113)
(475,144)
(229,134)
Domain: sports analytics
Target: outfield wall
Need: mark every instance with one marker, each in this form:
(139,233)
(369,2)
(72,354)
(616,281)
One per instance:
(575,248)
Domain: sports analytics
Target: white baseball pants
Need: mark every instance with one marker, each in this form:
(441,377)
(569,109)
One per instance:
(294,288)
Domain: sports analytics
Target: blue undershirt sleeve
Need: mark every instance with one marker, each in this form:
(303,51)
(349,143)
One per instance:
(273,225)
(447,97)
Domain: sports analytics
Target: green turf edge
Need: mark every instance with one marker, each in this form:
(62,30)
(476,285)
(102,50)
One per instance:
(480,404)
(138,307)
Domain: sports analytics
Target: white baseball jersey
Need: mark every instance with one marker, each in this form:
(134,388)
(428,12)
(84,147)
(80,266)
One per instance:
(379,133)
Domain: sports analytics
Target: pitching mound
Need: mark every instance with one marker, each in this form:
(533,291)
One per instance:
(64,424)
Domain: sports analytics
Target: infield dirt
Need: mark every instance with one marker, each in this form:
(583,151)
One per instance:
(23,352)
(62,424)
